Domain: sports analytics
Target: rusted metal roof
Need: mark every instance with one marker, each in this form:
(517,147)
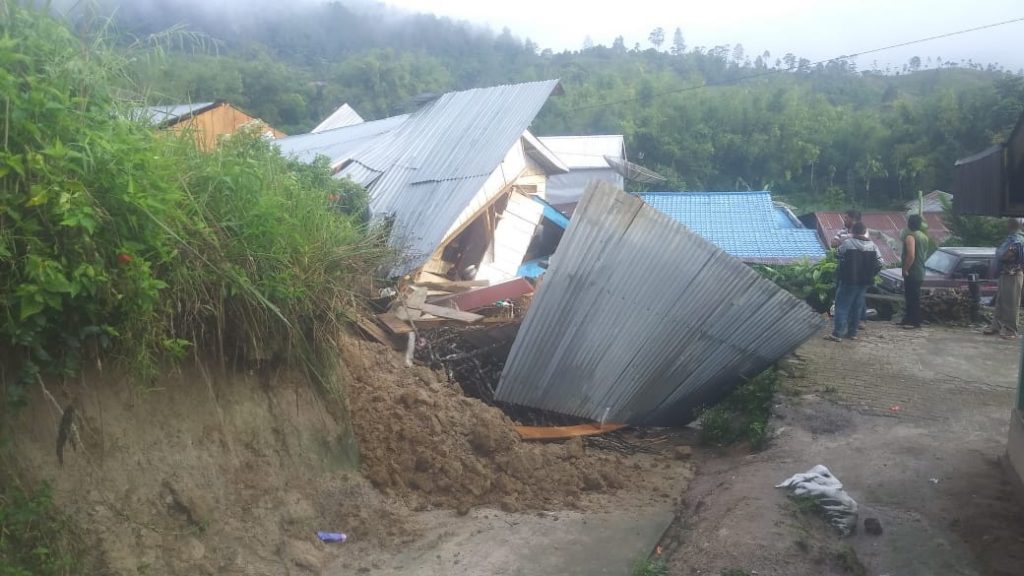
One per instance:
(884,228)
(641,321)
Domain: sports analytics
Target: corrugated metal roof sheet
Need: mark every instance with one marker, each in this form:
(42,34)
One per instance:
(568,188)
(339,144)
(747,225)
(171,113)
(641,321)
(585,157)
(344,116)
(543,155)
(932,202)
(426,170)
(586,151)
(884,228)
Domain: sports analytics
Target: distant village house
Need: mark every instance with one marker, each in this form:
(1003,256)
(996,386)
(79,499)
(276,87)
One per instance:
(207,121)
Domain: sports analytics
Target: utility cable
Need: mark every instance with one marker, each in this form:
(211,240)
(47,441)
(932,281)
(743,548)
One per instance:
(798,66)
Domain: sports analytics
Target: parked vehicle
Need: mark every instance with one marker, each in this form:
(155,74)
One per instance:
(948,269)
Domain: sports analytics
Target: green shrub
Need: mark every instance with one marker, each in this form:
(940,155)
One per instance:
(743,415)
(119,241)
(651,567)
(814,283)
(972,230)
(34,537)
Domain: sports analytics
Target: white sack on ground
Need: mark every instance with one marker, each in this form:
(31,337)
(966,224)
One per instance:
(819,484)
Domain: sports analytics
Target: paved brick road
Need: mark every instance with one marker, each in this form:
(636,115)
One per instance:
(935,373)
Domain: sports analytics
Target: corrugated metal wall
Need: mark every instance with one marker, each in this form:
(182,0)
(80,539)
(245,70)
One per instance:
(980,183)
(639,320)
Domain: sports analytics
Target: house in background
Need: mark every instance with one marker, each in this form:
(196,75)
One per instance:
(884,228)
(600,158)
(932,203)
(345,115)
(207,121)
(747,225)
(455,179)
(587,159)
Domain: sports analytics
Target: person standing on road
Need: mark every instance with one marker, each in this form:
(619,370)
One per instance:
(859,263)
(850,217)
(1010,271)
(915,251)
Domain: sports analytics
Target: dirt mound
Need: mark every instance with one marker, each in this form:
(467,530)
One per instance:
(205,474)
(422,440)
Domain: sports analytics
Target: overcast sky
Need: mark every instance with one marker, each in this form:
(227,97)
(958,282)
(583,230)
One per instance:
(814,29)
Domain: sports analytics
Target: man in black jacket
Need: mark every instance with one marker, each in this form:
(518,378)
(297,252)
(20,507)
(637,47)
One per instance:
(859,262)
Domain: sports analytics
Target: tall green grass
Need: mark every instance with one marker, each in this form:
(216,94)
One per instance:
(121,243)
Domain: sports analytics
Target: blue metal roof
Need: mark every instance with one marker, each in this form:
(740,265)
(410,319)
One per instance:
(552,213)
(746,225)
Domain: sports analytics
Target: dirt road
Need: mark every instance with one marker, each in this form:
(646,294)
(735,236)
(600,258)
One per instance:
(913,423)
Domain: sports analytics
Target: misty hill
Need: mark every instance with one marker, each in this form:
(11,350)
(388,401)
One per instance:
(822,134)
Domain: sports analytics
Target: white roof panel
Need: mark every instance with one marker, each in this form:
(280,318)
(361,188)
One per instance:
(344,116)
(586,151)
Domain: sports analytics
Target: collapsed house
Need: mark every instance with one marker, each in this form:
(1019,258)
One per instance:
(208,122)
(456,179)
(747,225)
(641,321)
(636,320)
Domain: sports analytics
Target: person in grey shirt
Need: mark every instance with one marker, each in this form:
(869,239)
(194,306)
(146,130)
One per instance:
(859,263)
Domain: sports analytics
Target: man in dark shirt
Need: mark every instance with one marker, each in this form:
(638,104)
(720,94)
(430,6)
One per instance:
(859,262)
(915,251)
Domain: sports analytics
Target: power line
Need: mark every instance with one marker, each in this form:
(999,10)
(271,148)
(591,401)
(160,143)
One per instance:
(797,66)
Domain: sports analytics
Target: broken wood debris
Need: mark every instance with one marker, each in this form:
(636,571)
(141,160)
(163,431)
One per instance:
(619,441)
(565,432)
(417,307)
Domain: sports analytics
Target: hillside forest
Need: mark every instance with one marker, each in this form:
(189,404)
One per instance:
(819,135)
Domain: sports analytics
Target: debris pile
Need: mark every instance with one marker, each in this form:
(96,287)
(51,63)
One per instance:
(430,302)
(946,307)
(422,440)
(471,356)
